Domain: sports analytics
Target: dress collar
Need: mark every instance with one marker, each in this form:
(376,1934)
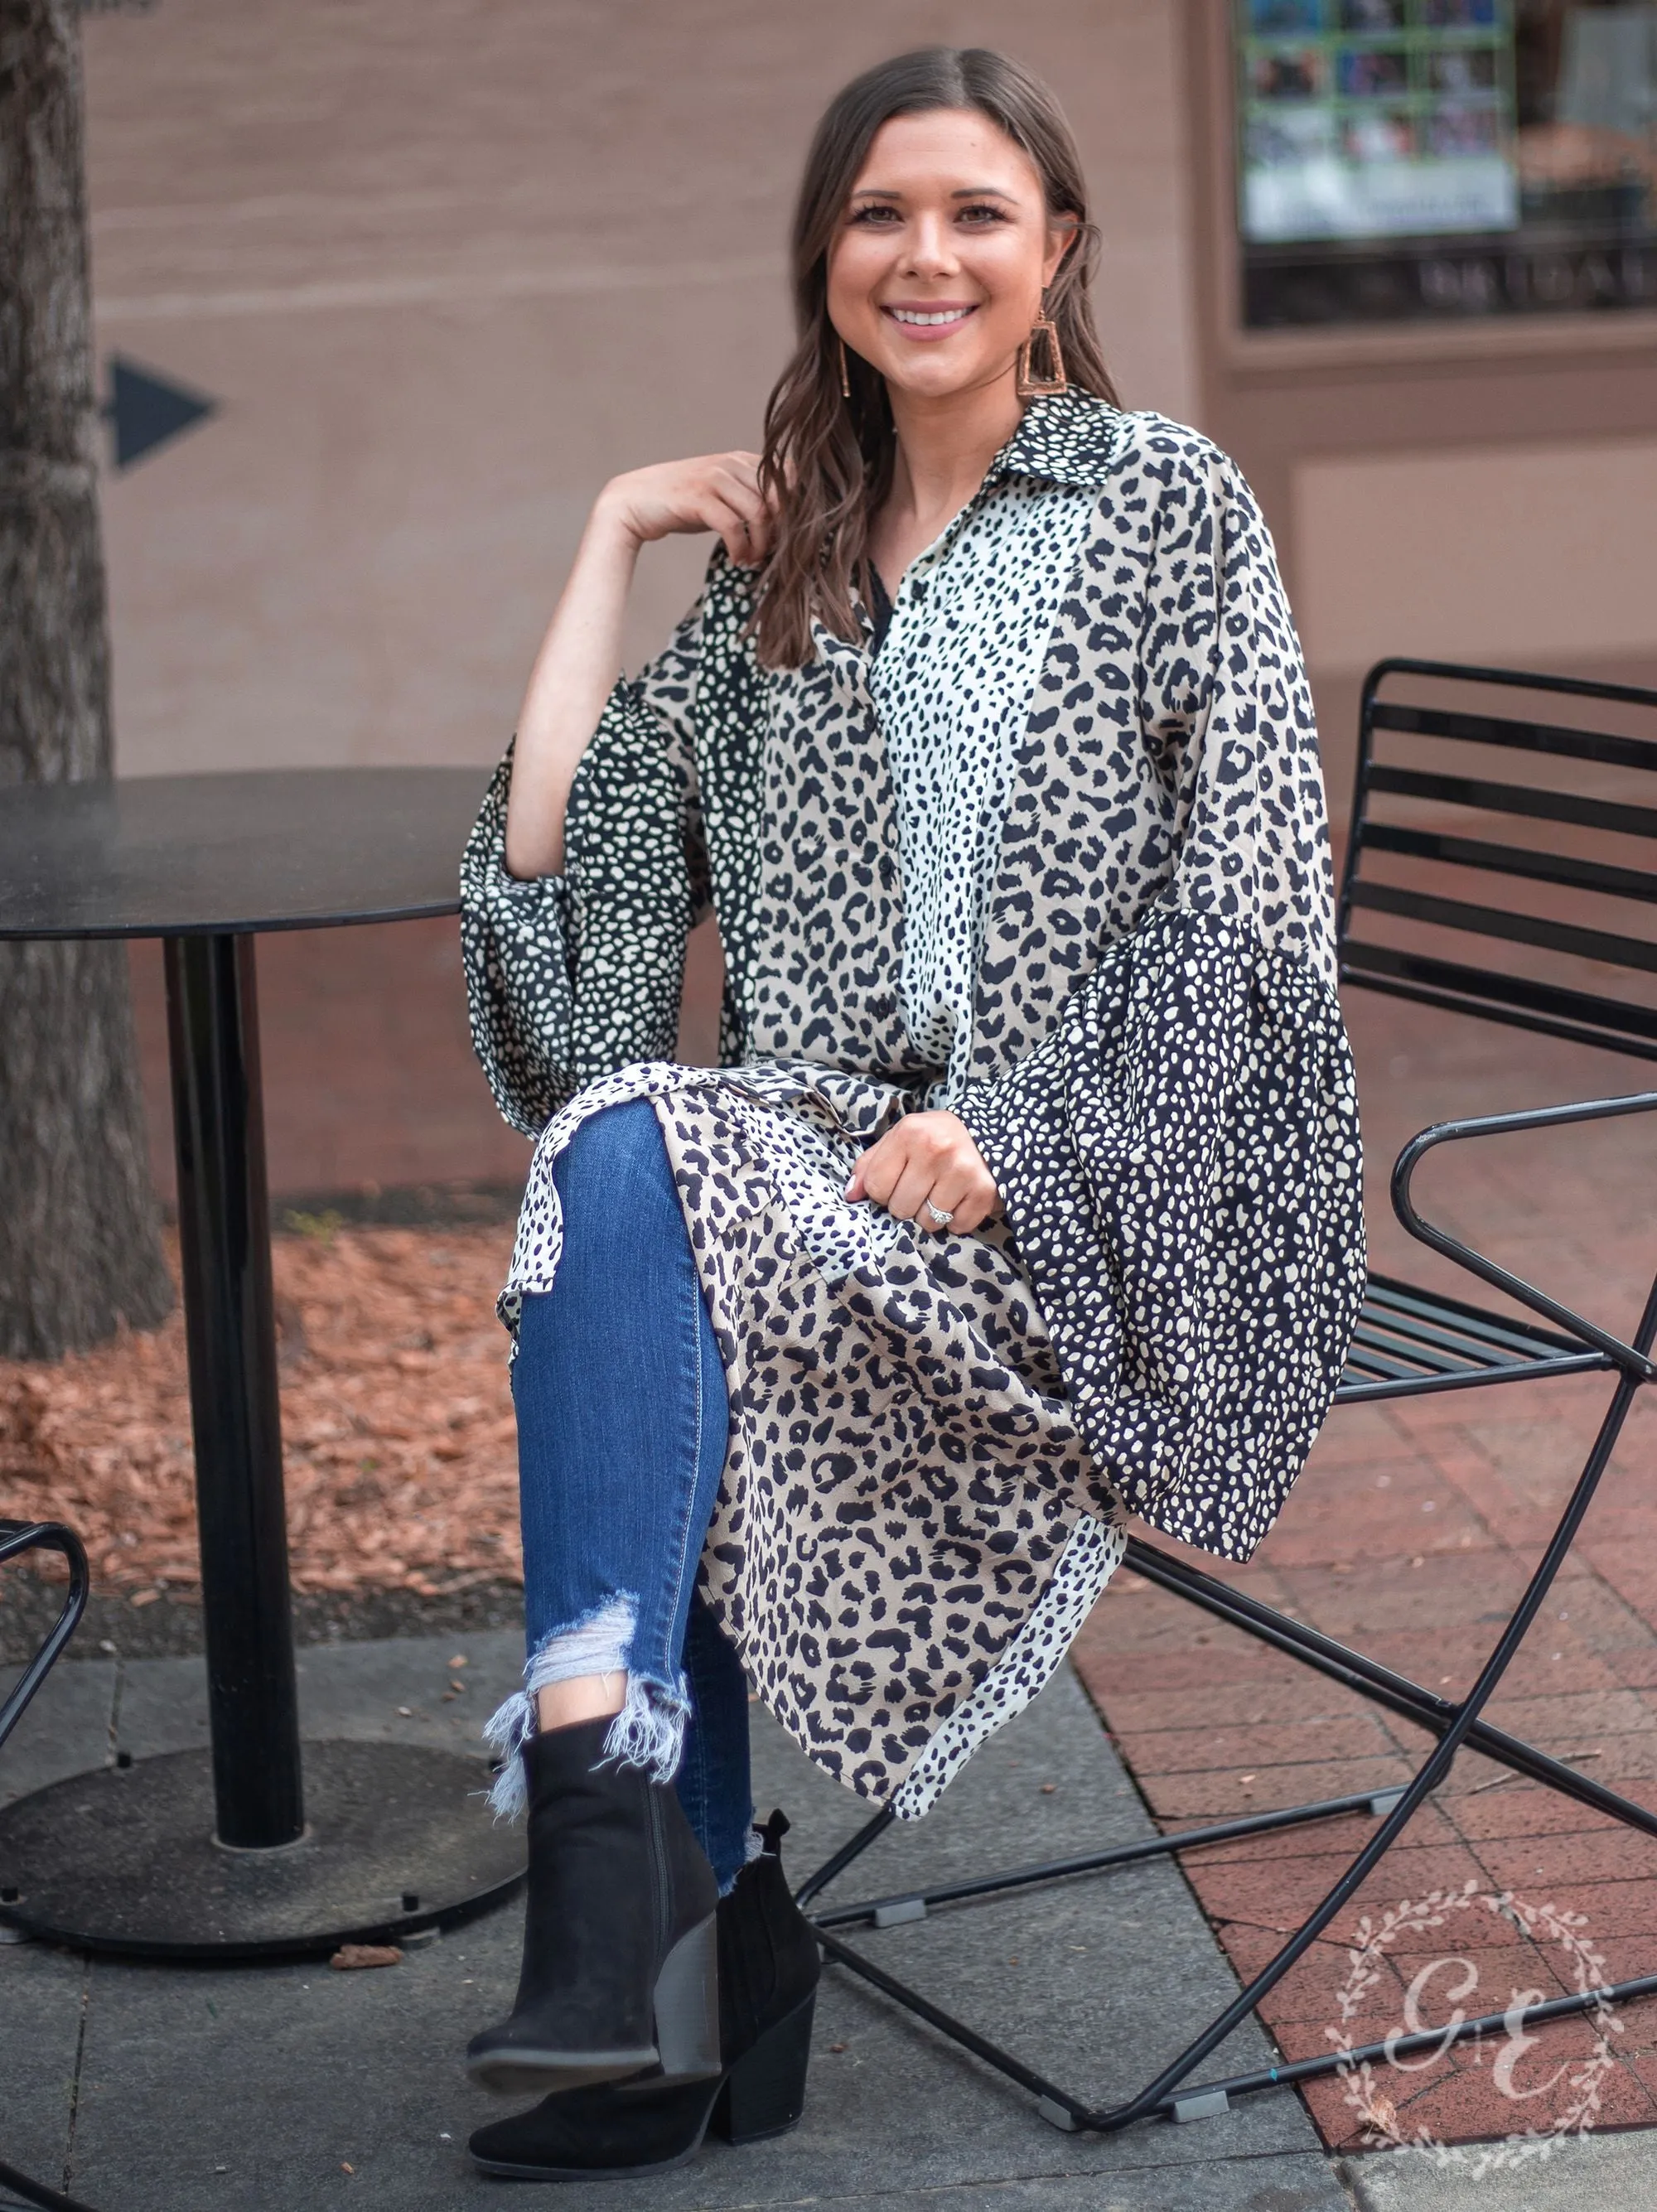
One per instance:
(1066,437)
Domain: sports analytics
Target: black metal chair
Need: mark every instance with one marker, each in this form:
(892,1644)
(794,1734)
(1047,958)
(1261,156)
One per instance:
(17,1537)
(1552,972)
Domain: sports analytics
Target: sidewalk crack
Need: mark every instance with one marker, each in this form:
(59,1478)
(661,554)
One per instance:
(75,2078)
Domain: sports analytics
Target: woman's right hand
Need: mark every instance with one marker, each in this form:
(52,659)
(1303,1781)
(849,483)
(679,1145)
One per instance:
(713,491)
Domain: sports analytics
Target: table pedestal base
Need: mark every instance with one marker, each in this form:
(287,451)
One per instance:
(122,1860)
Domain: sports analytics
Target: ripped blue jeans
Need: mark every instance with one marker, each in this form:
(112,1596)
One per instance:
(621,1422)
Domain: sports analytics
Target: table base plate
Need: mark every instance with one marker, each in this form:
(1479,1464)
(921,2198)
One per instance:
(122,1860)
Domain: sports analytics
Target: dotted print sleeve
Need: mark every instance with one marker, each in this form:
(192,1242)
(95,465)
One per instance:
(514,943)
(569,976)
(1179,1158)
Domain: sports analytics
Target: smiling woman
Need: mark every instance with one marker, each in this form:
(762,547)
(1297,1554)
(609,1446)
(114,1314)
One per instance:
(944,214)
(1026,1194)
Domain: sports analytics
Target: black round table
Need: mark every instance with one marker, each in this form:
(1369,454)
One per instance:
(252,1848)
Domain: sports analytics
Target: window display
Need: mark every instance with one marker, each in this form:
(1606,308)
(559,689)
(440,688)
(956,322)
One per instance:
(1403,159)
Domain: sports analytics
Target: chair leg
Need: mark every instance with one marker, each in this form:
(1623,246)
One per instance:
(17,1537)
(844,1856)
(915,1904)
(1458,1727)
(1379,1684)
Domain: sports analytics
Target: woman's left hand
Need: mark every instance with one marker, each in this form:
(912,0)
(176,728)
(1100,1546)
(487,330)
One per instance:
(927,1157)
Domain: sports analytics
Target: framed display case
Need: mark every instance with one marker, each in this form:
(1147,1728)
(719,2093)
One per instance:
(1419,162)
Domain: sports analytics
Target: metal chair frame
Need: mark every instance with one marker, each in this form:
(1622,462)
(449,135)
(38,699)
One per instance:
(17,1537)
(1410,1341)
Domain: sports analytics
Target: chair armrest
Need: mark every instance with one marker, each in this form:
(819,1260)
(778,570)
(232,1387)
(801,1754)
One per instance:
(1630,1359)
(17,1537)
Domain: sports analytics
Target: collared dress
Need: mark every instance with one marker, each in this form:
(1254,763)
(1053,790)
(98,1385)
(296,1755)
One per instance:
(1055,857)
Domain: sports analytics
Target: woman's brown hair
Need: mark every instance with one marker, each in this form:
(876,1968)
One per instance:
(828,461)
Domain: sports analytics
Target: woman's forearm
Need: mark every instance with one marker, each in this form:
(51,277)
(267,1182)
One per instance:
(580,656)
(579,662)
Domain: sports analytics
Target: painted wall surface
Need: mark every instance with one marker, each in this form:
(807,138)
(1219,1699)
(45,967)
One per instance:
(446,265)
(1505,555)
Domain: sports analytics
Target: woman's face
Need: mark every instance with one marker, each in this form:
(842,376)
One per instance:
(937,272)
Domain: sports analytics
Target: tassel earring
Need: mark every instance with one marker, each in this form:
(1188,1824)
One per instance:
(844,373)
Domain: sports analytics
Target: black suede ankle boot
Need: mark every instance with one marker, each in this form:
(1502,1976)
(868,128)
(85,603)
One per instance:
(620,1943)
(768,1969)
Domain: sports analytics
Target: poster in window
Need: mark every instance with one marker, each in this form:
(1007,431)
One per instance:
(1375,118)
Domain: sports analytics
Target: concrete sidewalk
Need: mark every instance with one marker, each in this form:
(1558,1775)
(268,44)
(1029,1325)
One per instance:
(157,2089)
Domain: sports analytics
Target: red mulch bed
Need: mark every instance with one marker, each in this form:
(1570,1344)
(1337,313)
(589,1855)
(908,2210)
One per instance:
(397,1428)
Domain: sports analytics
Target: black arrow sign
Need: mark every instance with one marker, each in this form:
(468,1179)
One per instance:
(145,410)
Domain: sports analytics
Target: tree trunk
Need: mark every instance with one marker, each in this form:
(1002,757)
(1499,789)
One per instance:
(80,1243)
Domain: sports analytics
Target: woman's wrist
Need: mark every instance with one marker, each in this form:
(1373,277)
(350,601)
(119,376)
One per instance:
(612,525)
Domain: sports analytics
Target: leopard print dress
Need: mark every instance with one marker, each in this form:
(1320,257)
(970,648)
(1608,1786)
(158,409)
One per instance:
(1056,858)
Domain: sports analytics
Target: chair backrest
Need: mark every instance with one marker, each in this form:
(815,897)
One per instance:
(1550,922)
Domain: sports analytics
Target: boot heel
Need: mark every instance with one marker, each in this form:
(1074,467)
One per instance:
(764,2093)
(687,2004)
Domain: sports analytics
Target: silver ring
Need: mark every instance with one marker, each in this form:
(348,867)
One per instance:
(941,1218)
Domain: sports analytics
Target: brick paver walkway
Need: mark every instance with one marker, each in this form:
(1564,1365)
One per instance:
(1411,1533)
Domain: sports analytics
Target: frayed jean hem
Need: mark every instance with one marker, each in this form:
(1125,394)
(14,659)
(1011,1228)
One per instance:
(648,1732)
